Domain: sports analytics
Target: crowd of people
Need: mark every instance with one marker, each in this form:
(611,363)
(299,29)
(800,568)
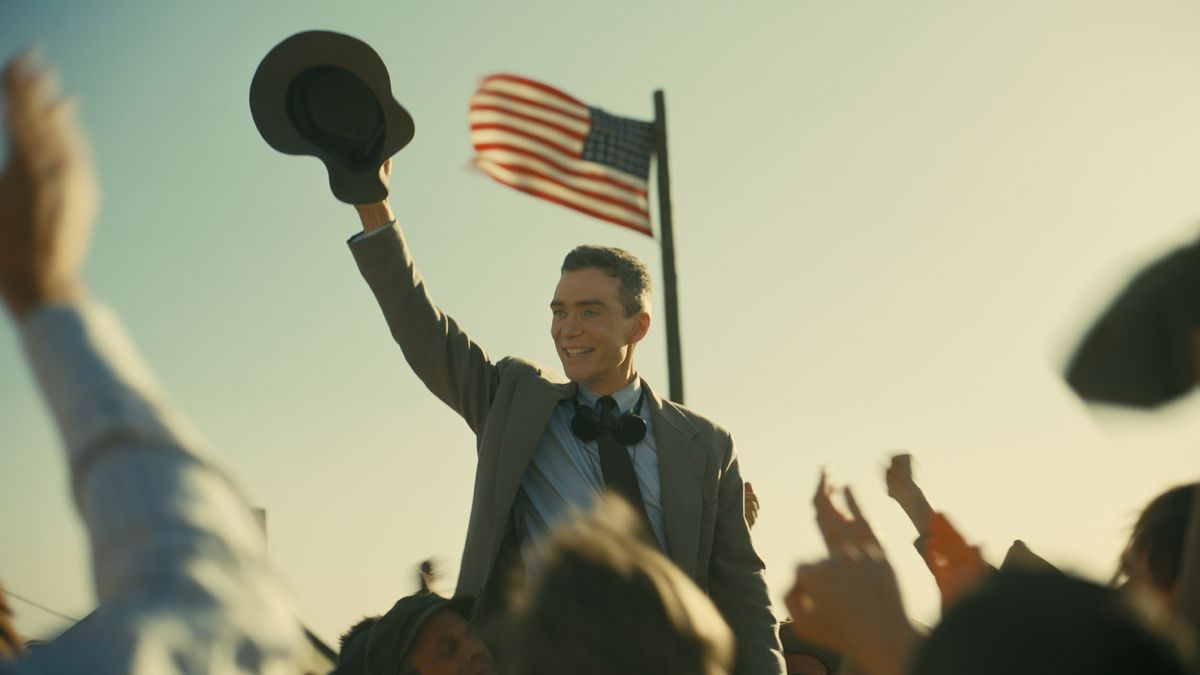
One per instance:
(610,531)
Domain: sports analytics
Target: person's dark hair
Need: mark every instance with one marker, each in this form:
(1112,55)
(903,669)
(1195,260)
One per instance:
(1159,535)
(619,264)
(352,647)
(608,604)
(1038,623)
(357,629)
(351,656)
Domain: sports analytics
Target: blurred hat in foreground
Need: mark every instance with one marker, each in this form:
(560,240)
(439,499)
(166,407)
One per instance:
(1140,352)
(328,95)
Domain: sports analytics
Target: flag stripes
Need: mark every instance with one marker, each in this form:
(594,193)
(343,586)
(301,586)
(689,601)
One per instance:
(532,137)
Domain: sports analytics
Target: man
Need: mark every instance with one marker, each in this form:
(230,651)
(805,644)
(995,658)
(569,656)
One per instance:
(532,468)
(179,563)
(422,634)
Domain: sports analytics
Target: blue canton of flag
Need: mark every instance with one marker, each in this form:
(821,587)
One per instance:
(619,142)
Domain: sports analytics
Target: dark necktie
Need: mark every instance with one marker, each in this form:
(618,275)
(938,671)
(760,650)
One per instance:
(615,464)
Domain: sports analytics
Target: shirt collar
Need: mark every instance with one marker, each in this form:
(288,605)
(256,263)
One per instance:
(626,397)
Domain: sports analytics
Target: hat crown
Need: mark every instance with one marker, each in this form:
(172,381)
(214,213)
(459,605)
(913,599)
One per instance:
(328,95)
(335,110)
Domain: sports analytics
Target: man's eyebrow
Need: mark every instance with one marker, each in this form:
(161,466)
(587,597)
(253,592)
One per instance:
(581,303)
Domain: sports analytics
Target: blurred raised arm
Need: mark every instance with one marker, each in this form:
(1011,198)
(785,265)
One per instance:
(178,562)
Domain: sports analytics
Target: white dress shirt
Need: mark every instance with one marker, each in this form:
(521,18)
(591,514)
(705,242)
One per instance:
(178,562)
(564,479)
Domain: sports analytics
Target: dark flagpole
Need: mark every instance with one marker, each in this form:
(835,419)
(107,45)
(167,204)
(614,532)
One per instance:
(667,241)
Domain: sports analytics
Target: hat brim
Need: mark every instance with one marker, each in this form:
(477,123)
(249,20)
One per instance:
(382,653)
(268,106)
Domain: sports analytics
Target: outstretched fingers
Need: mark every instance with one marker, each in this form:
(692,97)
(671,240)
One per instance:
(844,535)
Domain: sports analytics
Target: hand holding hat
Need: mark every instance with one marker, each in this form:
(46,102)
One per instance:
(328,95)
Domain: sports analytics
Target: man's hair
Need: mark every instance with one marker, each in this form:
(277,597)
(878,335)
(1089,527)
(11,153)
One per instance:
(1045,623)
(1159,535)
(619,264)
(607,604)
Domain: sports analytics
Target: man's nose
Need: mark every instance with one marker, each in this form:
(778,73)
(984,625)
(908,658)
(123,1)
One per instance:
(571,325)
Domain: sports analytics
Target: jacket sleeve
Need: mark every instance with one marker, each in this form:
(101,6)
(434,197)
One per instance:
(456,369)
(737,580)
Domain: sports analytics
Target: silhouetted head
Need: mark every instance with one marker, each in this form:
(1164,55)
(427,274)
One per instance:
(608,604)
(1037,623)
(1152,559)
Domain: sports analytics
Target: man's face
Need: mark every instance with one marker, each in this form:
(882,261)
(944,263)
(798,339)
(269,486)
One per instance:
(447,645)
(593,337)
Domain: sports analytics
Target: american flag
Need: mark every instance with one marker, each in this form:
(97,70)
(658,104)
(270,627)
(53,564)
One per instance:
(535,138)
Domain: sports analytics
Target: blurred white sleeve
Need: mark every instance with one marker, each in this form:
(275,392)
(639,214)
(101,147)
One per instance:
(179,563)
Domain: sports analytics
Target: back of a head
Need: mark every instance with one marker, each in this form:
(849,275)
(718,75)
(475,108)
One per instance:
(352,652)
(1045,623)
(1158,536)
(607,604)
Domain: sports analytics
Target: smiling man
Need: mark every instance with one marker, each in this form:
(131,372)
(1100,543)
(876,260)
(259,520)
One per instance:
(548,448)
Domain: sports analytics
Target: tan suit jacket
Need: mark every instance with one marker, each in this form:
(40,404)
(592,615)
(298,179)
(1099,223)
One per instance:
(508,403)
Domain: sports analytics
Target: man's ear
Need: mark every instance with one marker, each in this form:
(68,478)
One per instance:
(641,326)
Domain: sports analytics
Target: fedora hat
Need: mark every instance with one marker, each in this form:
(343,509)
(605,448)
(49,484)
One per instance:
(1140,351)
(328,95)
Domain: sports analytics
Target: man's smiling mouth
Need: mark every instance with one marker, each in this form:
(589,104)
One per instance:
(578,351)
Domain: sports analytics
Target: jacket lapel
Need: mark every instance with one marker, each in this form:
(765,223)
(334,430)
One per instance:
(532,404)
(681,466)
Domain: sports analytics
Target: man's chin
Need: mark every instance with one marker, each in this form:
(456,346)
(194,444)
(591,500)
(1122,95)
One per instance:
(573,373)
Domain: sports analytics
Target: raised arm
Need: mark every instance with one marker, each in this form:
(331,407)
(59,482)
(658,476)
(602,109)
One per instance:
(850,602)
(179,564)
(956,565)
(452,366)
(902,487)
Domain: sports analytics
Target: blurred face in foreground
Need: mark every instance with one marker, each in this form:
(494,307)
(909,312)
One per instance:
(447,645)
(593,337)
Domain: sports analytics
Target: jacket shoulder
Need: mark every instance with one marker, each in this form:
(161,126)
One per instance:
(515,366)
(688,419)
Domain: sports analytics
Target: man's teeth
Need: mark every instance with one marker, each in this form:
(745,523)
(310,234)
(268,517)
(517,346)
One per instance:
(577,351)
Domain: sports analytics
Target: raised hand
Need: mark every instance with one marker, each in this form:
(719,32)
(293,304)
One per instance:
(851,602)
(48,192)
(379,214)
(839,530)
(904,489)
(750,504)
(956,565)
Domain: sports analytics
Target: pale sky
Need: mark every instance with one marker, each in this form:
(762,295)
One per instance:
(892,220)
